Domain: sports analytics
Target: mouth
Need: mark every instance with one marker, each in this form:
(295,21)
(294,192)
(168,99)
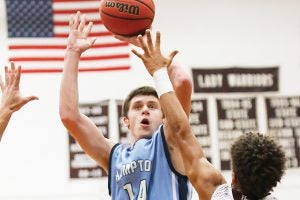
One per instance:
(145,122)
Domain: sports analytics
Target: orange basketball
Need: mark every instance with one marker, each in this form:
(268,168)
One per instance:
(127,17)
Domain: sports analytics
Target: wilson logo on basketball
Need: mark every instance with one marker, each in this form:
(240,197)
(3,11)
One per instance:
(122,7)
(127,17)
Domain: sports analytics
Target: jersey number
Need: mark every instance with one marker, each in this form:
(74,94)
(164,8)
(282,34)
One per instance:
(142,191)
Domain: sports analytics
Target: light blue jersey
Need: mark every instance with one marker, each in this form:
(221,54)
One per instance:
(144,172)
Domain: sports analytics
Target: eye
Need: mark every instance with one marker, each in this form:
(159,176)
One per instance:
(152,106)
(137,107)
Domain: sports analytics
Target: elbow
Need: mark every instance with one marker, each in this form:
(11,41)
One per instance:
(184,82)
(68,117)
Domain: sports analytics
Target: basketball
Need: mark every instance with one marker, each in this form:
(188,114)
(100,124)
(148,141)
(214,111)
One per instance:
(127,17)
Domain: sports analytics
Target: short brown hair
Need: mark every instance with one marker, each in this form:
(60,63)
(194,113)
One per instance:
(144,90)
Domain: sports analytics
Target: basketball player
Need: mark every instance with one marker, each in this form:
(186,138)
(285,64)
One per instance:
(11,100)
(258,163)
(150,167)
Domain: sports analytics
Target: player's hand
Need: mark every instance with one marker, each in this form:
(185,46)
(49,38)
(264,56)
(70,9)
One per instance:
(11,96)
(152,57)
(78,36)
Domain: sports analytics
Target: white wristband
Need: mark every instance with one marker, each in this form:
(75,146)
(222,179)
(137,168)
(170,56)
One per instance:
(162,81)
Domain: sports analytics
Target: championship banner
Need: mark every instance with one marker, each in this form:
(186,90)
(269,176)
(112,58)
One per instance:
(235,117)
(199,125)
(283,115)
(81,165)
(235,79)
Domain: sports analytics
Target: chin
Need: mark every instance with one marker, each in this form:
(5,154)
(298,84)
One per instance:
(146,135)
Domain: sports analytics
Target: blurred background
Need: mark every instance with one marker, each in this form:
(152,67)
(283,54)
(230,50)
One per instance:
(244,57)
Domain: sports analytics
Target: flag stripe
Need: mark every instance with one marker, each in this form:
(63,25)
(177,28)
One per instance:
(24,59)
(98,34)
(72,11)
(91,69)
(15,47)
(66,23)
(57,1)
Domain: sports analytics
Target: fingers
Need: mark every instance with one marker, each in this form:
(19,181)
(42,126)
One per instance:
(149,40)
(23,102)
(81,24)
(6,75)
(92,41)
(12,76)
(10,73)
(76,20)
(1,84)
(88,29)
(171,57)
(71,22)
(137,53)
(157,41)
(30,98)
(143,45)
(16,80)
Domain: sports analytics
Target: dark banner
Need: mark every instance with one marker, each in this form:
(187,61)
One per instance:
(199,124)
(124,136)
(235,117)
(284,125)
(81,165)
(235,79)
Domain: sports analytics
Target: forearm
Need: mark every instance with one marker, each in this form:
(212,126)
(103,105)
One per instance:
(175,117)
(5,115)
(69,84)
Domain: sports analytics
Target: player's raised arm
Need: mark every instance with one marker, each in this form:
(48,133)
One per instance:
(79,126)
(11,100)
(155,61)
(180,139)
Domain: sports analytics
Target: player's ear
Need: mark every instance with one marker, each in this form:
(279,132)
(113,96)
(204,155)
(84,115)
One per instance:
(126,122)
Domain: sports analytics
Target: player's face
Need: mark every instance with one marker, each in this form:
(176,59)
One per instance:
(144,116)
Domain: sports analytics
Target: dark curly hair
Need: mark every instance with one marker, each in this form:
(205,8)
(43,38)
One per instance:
(258,163)
(144,90)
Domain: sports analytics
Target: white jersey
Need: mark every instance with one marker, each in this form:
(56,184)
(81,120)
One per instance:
(224,192)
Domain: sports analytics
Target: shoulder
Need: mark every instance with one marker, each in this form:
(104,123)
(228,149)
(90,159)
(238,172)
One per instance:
(222,192)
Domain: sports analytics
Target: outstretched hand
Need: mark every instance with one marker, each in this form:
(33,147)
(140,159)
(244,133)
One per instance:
(78,36)
(11,96)
(152,57)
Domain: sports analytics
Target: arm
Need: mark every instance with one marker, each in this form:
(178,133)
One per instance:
(80,127)
(182,84)
(11,100)
(154,60)
(202,174)
(5,114)
(204,177)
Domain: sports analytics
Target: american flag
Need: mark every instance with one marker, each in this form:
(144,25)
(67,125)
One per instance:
(38,31)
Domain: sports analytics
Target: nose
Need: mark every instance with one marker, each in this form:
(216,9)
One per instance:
(145,110)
